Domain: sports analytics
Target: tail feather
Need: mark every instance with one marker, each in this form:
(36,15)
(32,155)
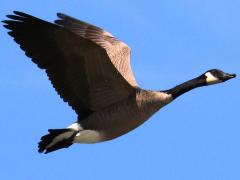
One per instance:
(56,139)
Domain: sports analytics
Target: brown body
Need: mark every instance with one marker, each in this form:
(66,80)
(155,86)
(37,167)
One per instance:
(126,115)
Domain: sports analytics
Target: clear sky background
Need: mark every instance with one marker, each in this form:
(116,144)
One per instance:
(194,138)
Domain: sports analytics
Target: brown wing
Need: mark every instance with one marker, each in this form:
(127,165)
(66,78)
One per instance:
(79,69)
(118,51)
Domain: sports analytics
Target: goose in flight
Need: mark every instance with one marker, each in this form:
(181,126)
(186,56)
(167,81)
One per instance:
(90,70)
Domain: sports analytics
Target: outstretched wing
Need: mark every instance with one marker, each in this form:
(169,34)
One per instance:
(80,70)
(118,51)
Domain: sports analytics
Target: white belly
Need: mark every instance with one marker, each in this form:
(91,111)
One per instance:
(88,137)
(85,136)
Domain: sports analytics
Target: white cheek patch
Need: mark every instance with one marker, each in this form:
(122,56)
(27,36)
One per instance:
(212,79)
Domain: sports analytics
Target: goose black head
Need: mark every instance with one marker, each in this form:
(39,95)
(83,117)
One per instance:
(215,76)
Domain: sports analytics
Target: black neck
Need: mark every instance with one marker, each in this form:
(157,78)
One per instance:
(186,86)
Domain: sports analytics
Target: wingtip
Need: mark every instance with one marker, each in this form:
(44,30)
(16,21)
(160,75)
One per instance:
(9,16)
(22,14)
(59,22)
(17,12)
(7,21)
(4,21)
(60,15)
(6,26)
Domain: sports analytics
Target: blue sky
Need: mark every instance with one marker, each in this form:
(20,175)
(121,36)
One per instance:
(195,137)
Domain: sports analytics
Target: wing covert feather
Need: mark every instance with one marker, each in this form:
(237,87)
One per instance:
(78,69)
(118,52)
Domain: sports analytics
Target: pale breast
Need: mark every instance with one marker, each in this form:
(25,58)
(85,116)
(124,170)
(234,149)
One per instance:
(124,116)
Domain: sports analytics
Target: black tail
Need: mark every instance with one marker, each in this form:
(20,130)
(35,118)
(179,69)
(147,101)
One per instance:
(56,139)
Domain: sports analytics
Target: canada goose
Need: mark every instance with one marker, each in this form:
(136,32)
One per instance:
(90,69)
